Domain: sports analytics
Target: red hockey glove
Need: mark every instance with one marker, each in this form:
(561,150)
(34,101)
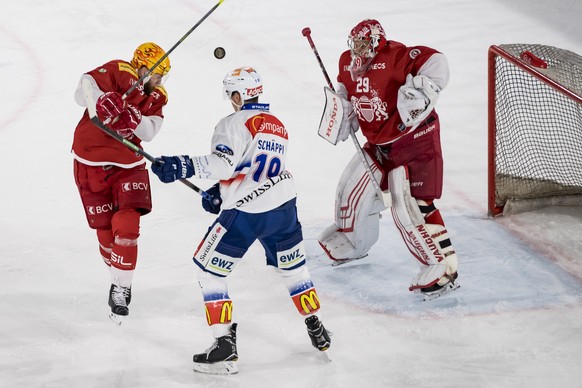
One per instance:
(127,121)
(109,105)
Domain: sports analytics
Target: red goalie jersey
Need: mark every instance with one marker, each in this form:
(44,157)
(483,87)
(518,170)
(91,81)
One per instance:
(373,95)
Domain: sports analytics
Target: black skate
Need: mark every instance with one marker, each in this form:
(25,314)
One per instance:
(119,299)
(436,291)
(221,357)
(320,338)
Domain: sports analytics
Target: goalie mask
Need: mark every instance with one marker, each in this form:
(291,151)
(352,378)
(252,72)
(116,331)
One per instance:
(364,41)
(244,80)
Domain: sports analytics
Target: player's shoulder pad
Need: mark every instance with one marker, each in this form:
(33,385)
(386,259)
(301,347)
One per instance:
(124,66)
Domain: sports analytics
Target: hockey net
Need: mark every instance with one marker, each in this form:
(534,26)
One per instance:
(535,128)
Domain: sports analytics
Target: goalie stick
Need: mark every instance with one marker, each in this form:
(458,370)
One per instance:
(385,197)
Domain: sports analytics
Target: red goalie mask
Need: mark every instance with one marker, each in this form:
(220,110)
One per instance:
(364,41)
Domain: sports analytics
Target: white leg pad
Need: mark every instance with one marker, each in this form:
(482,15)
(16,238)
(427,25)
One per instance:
(338,246)
(438,265)
(357,213)
(429,275)
(409,219)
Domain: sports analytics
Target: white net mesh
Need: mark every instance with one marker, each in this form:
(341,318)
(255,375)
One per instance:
(538,135)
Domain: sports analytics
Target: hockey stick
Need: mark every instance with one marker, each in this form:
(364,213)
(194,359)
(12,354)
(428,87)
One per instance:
(149,72)
(93,114)
(88,91)
(385,197)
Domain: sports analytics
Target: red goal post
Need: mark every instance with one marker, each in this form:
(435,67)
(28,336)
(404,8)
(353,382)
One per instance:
(534,128)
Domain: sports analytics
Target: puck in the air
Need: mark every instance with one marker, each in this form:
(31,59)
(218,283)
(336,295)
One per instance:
(219,53)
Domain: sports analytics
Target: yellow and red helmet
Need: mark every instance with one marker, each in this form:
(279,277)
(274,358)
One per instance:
(147,54)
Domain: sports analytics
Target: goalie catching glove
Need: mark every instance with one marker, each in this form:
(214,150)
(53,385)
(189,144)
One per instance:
(416,99)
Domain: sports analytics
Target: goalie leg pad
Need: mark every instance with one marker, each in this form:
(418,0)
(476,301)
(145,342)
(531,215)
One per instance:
(357,213)
(436,227)
(409,219)
(429,243)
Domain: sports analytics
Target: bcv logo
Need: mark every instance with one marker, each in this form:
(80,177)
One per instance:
(130,186)
(100,209)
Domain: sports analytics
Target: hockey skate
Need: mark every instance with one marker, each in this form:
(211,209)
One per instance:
(436,291)
(221,357)
(320,337)
(119,299)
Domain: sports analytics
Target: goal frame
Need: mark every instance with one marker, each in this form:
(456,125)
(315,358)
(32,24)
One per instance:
(495,51)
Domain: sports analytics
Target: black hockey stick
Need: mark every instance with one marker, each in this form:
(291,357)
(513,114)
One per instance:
(149,72)
(385,197)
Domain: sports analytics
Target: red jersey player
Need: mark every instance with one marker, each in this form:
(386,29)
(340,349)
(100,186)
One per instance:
(112,180)
(389,90)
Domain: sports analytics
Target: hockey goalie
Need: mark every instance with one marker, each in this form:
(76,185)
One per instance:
(389,91)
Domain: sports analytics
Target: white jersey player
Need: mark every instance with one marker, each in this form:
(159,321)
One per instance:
(256,201)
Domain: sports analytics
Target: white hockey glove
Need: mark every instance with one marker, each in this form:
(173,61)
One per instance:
(416,99)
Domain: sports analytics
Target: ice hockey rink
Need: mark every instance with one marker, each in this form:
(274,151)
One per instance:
(515,321)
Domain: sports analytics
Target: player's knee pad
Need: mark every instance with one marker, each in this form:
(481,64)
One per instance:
(357,213)
(133,191)
(125,229)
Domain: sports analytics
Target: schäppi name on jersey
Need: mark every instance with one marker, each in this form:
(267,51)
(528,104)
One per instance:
(271,145)
(256,193)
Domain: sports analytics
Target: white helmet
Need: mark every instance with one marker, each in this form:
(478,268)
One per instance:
(244,80)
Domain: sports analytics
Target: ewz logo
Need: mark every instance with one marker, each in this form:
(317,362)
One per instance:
(291,257)
(222,263)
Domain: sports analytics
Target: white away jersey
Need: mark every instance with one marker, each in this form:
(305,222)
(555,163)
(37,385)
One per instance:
(248,155)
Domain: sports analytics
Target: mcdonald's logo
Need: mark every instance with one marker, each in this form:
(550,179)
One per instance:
(226,313)
(218,312)
(309,302)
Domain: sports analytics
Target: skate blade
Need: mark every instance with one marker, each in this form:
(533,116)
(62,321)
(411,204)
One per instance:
(117,319)
(217,368)
(326,355)
(447,289)
(338,262)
